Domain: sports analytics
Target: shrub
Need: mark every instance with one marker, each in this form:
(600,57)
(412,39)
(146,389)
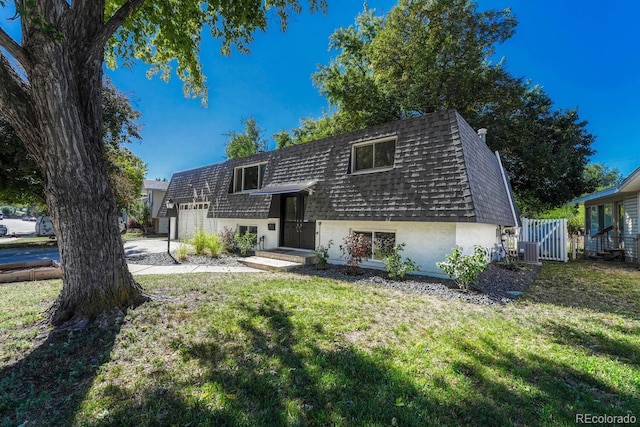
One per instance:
(182,251)
(246,242)
(322,255)
(214,244)
(512,264)
(397,268)
(199,241)
(356,246)
(229,242)
(465,269)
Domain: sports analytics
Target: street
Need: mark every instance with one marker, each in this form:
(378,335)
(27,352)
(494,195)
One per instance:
(131,248)
(10,256)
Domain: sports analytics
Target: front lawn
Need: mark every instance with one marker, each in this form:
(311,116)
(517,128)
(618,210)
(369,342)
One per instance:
(285,349)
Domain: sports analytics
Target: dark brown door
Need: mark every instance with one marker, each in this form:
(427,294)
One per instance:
(296,232)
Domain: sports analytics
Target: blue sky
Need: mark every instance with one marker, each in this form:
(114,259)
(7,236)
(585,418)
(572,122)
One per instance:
(584,54)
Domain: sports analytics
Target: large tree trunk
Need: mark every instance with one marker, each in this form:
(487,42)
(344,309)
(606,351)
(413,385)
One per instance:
(66,83)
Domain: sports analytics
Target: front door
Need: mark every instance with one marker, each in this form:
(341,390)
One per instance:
(296,232)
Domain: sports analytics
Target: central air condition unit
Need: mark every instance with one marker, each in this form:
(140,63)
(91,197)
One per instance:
(529,252)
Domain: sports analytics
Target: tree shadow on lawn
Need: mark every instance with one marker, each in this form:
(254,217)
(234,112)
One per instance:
(597,343)
(273,378)
(606,287)
(47,386)
(553,391)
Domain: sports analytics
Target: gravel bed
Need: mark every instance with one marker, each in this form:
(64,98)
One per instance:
(164,259)
(495,286)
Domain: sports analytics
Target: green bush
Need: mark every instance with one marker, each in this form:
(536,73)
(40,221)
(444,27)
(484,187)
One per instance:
(322,255)
(246,242)
(199,241)
(397,268)
(182,251)
(215,245)
(465,269)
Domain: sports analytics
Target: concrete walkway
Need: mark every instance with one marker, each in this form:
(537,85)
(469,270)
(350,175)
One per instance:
(140,269)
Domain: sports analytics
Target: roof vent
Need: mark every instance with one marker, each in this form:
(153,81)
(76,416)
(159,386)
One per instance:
(482,133)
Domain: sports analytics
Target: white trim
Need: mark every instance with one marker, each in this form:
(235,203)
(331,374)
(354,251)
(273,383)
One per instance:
(243,167)
(372,142)
(506,187)
(373,238)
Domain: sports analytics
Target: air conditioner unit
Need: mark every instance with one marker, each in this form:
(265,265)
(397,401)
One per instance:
(529,251)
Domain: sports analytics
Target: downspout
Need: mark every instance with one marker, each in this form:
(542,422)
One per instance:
(506,187)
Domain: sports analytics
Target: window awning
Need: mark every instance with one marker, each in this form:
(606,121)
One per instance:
(285,187)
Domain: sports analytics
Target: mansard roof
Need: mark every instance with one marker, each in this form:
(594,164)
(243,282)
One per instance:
(443,172)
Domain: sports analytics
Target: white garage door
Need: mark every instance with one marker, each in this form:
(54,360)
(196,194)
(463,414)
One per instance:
(191,217)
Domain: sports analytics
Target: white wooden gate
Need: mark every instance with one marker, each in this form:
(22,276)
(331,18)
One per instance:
(550,233)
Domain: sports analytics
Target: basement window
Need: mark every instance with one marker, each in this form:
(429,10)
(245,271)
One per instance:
(379,244)
(244,229)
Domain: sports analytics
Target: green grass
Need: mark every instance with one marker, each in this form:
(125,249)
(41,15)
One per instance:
(27,242)
(285,349)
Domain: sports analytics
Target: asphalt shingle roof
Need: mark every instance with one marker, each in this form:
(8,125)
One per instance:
(443,172)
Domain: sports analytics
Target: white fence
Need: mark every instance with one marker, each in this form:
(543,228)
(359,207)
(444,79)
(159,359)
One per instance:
(551,234)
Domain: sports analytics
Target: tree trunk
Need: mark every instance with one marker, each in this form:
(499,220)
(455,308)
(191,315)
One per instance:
(65,83)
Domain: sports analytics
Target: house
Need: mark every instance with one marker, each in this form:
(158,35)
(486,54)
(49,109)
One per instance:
(611,220)
(429,182)
(153,192)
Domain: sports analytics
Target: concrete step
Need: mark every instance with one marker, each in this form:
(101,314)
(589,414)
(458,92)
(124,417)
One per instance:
(291,255)
(269,264)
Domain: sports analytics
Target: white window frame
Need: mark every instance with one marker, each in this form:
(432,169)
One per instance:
(373,142)
(601,216)
(373,239)
(193,206)
(248,227)
(241,169)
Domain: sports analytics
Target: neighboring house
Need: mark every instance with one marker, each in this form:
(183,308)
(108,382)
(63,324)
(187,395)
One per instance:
(153,193)
(611,219)
(429,182)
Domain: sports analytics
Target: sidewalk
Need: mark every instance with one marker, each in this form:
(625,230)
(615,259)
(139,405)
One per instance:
(140,269)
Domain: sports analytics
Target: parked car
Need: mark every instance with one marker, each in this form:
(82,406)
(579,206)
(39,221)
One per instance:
(1,215)
(44,227)
(33,219)
(26,218)
(3,230)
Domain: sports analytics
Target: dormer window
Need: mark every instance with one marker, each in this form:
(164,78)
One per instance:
(373,155)
(246,178)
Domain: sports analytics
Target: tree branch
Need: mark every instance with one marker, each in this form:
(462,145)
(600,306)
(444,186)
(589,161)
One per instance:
(112,25)
(14,49)
(15,101)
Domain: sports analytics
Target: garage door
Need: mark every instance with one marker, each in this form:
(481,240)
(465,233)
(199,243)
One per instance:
(191,217)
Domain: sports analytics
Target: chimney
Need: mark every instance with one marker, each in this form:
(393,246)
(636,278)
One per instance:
(482,133)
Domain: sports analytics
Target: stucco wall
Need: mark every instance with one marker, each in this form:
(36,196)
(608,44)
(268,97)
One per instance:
(470,234)
(426,242)
(270,236)
(217,225)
